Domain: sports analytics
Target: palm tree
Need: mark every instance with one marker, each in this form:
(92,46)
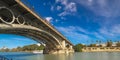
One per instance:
(100,42)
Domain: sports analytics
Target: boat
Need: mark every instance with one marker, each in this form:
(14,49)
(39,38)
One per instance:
(38,52)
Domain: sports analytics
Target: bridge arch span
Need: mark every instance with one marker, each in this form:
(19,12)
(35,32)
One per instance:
(31,32)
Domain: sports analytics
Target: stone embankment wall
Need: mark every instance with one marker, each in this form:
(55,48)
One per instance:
(101,49)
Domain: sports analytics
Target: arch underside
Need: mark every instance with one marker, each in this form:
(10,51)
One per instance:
(31,32)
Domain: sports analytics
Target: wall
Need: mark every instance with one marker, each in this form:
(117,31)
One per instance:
(101,49)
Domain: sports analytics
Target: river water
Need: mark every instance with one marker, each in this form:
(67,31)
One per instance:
(72,56)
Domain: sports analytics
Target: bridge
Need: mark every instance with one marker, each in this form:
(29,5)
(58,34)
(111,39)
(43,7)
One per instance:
(17,17)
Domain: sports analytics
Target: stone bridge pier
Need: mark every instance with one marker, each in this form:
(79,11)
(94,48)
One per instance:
(64,48)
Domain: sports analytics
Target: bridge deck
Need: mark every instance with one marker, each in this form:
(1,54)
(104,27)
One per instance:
(42,20)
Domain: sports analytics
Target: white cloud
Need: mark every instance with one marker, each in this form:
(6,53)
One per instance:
(90,0)
(63,13)
(52,8)
(110,32)
(98,35)
(71,32)
(69,9)
(72,29)
(106,8)
(49,19)
(106,32)
(74,32)
(64,2)
(116,29)
(56,20)
(59,7)
(80,34)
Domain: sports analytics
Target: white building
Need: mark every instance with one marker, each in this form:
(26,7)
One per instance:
(114,44)
(38,44)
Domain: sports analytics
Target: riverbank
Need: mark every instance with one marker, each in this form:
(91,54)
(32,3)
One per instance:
(101,49)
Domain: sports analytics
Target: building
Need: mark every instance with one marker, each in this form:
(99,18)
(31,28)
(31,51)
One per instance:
(101,49)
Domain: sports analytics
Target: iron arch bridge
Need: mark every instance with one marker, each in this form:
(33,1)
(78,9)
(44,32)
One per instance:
(17,18)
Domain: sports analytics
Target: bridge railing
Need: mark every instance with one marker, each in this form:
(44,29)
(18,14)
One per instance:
(31,7)
(27,3)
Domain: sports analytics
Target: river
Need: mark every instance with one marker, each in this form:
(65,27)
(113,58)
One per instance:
(74,56)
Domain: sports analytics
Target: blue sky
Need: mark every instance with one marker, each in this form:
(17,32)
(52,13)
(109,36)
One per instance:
(81,21)
(12,41)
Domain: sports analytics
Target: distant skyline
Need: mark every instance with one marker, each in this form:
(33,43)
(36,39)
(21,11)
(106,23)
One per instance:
(80,21)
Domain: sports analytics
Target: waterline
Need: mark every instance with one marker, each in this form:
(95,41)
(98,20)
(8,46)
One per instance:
(74,56)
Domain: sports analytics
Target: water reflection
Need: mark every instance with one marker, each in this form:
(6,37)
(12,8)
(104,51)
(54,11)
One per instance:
(74,56)
(59,56)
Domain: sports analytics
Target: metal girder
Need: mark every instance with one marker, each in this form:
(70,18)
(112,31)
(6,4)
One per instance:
(16,28)
(29,34)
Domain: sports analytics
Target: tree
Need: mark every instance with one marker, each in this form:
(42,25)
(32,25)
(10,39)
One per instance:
(41,47)
(14,50)
(28,48)
(97,41)
(92,45)
(19,48)
(109,43)
(118,44)
(6,50)
(78,47)
(32,47)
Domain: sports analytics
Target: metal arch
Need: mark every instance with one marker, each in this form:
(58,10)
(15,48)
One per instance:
(47,38)
(19,32)
(17,26)
(19,21)
(50,35)
(42,38)
(26,35)
(29,36)
(36,39)
(53,37)
(13,17)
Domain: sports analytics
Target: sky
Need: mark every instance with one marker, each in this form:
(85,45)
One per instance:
(80,21)
(13,41)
